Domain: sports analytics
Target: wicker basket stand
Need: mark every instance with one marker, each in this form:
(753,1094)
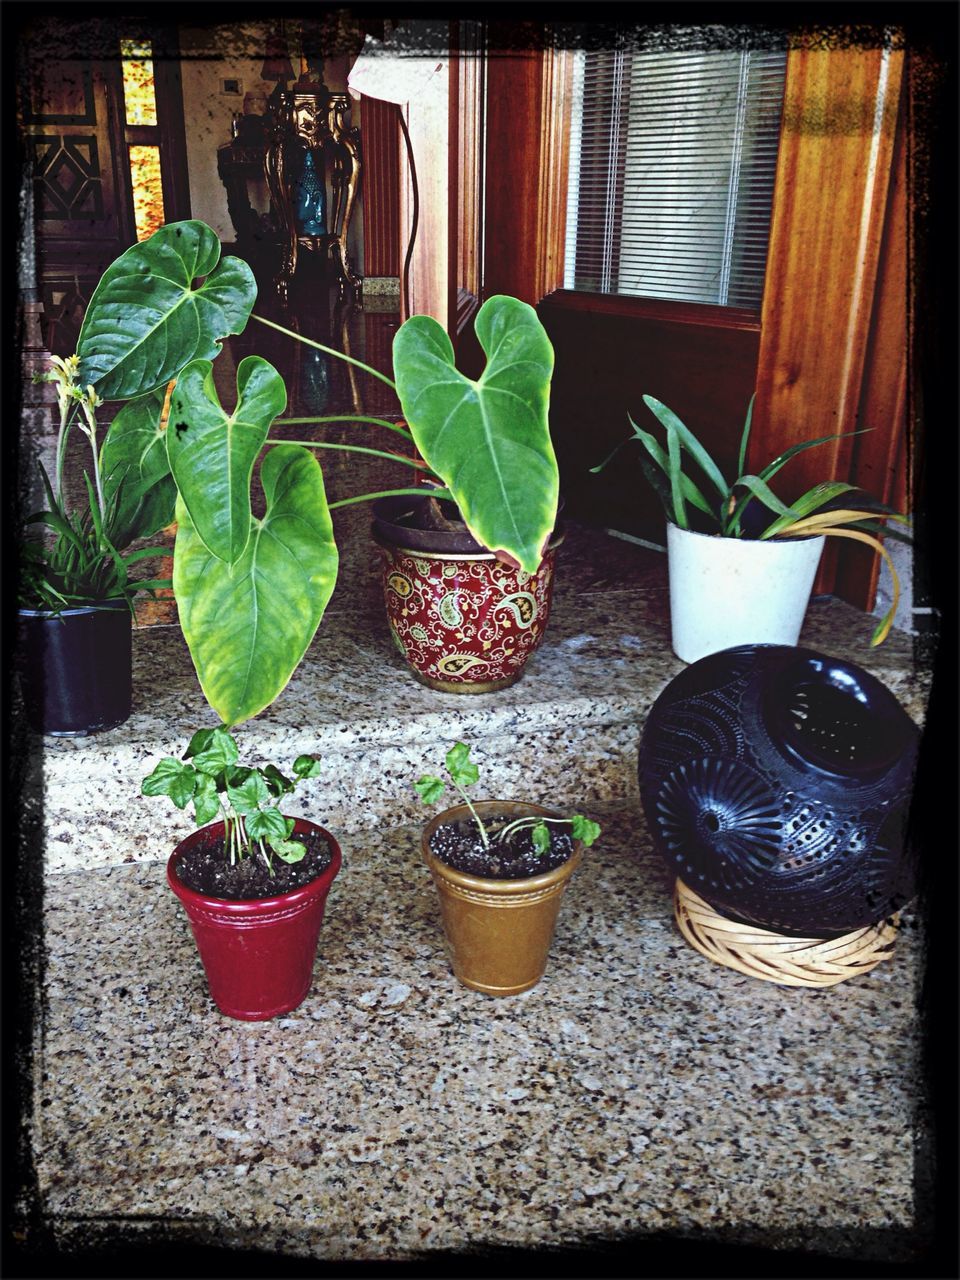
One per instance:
(776,957)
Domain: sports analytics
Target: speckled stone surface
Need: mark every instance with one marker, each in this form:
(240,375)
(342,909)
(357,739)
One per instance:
(638,1088)
(567,731)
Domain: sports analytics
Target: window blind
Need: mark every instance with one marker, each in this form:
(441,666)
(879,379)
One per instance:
(673,156)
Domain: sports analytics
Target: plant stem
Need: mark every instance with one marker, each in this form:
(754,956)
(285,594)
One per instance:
(484,838)
(265,856)
(392,493)
(531,820)
(91,434)
(67,410)
(355,448)
(344,417)
(330,351)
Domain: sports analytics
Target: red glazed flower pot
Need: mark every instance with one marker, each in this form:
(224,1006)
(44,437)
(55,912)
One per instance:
(465,622)
(258,954)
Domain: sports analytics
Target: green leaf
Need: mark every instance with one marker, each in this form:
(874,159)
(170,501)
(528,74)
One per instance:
(687,487)
(249,795)
(540,837)
(136,473)
(430,788)
(584,829)
(198,743)
(289,850)
(248,626)
(212,453)
(171,778)
(146,320)
(489,440)
(206,802)
(307,767)
(806,505)
(266,824)
(781,460)
(277,784)
(459,765)
(760,489)
(745,437)
(674,475)
(219,751)
(690,442)
(234,775)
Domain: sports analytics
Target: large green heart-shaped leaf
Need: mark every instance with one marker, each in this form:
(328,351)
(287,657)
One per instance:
(248,625)
(489,440)
(147,319)
(138,488)
(212,453)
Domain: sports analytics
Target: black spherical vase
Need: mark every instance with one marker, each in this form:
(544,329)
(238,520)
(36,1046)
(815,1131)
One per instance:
(776,782)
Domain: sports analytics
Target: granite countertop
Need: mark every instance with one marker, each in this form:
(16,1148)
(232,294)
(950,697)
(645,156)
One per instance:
(569,727)
(638,1088)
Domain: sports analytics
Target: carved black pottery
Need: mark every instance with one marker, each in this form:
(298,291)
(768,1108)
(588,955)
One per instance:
(775,782)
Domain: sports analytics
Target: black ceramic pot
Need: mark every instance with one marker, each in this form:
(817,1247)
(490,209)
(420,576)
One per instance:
(776,783)
(76,668)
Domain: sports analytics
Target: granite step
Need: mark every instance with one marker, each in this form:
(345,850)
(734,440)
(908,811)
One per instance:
(566,734)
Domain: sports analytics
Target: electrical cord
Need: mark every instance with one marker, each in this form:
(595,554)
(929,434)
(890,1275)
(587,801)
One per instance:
(414,222)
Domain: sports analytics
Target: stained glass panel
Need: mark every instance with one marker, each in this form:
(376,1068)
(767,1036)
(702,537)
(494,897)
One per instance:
(147,190)
(138,93)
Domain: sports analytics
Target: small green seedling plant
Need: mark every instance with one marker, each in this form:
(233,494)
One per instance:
(210,777)
(463,773)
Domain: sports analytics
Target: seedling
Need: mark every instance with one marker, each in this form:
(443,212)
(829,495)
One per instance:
(462,772)
(209,777)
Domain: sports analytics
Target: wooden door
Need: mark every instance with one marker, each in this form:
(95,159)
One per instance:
(75,144)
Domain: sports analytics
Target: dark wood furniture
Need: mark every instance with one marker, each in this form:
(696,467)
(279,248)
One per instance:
(238,164)
(308,118)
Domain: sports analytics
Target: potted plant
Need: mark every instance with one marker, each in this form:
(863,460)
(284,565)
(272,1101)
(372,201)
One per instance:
(75,589)
(500,868)
(741,562)
(253,881)
(485,445)
(251,591)
(467,582)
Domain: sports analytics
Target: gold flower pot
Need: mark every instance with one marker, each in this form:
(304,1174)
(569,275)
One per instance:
(498,932)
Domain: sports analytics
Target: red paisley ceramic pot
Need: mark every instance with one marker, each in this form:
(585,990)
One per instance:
(464,621)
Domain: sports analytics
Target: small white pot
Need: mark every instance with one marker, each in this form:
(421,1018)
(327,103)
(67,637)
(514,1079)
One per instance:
(731,591)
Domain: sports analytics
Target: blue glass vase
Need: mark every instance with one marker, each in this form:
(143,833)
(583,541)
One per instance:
(310,200)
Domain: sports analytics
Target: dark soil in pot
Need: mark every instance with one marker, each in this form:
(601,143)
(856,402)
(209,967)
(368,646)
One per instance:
(458,845)
(205,868)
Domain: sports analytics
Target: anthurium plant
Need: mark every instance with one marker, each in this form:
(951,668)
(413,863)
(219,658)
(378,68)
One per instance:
(252,591)
(748,508)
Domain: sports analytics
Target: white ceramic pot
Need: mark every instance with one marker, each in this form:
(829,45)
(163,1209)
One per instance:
(731,591)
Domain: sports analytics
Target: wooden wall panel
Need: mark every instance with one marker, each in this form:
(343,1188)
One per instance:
(528,108)
(879,457)
(829,210)
(606,361)
(380,139)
